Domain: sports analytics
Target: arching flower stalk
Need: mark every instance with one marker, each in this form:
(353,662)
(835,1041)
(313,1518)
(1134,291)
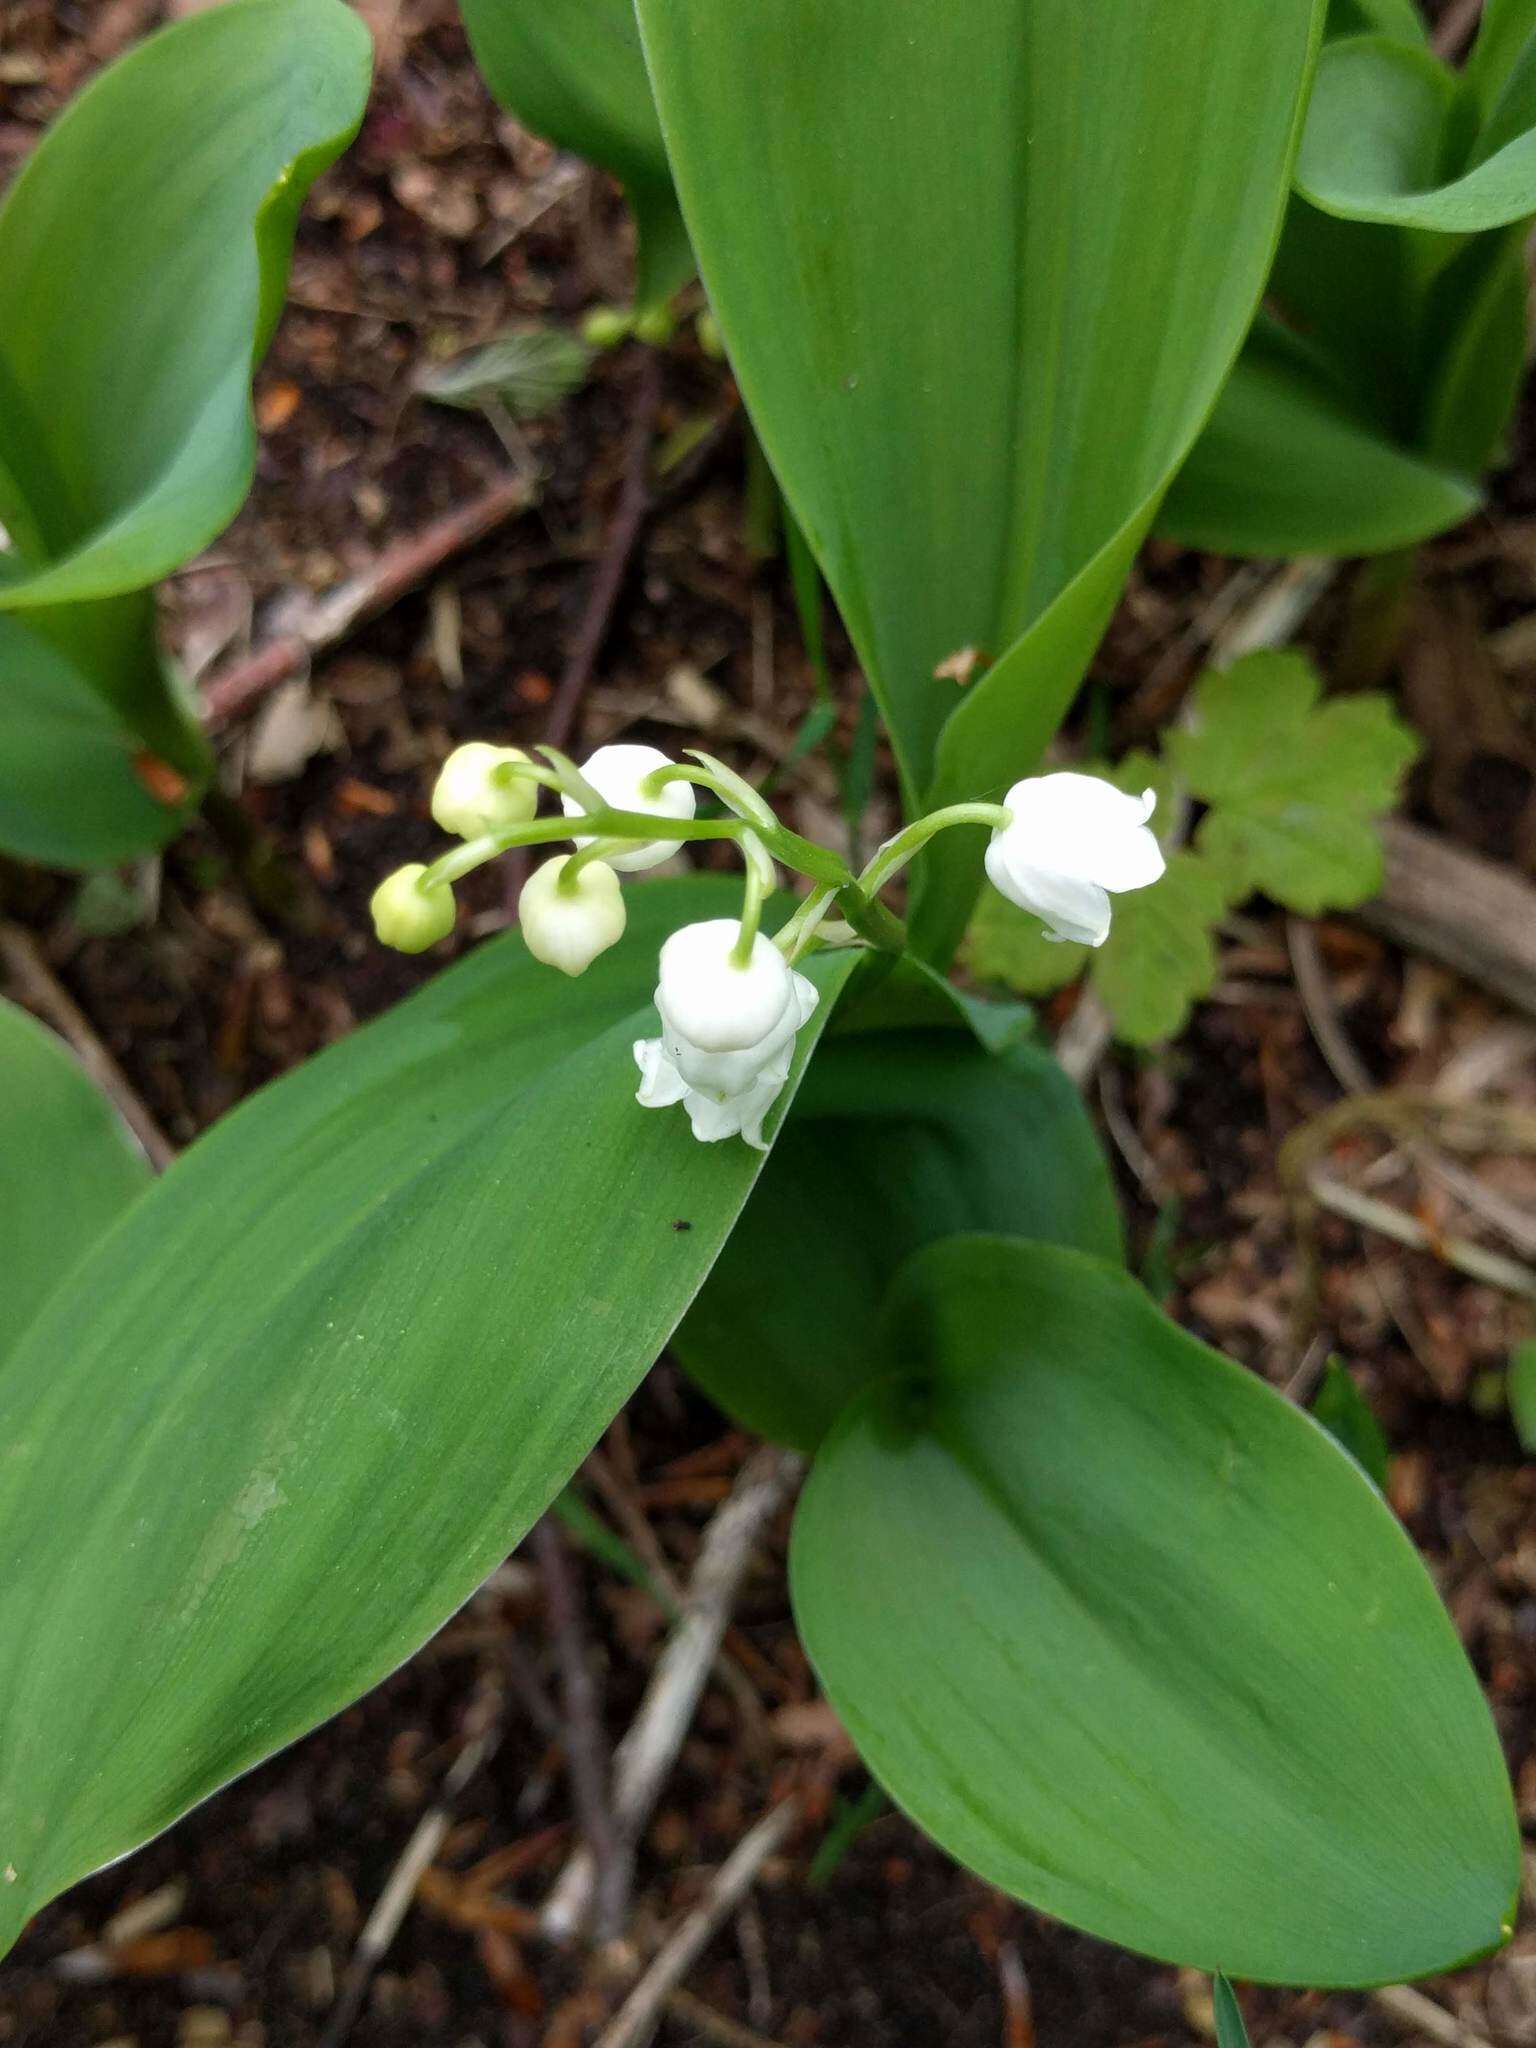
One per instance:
(730,1001)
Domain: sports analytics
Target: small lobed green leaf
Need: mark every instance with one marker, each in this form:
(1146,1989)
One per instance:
(1160,957)
(1293,786)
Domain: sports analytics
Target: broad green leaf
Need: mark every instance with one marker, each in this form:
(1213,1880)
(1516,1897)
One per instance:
(1399,18)
(1382,123)
(1503,44)
(1286,466)
(1230,2029)
(73,788)
(895,1141)
(981,272)
(67,1167)
(1130,1636)
(1346,1415)
(327,1372)
(1475,342)
(1294,786)
(573,70)
(144,246)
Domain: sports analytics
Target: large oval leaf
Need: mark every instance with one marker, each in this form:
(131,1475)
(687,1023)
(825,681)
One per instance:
(68,1167)
(1135,1639)
(1286,466)
(143,247)
(325,1374)
(573,70)
(1382,120)
(981,271)
(895,1140)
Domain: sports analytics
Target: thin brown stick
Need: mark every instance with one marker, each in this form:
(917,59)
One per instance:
(638,2017)
(613,565)
(1474,915)
(728,2032)
(586,1747)
(42,991)
(1421,2015)
(487,1716)
(645,1757)
(387,578)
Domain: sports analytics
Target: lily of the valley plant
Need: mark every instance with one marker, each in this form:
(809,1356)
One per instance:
(1124,1630)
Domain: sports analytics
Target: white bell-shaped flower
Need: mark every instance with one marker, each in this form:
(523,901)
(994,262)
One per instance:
(616,773)
(727,1031)
(408,917)
(1073,842)
(470,797)
(568,926)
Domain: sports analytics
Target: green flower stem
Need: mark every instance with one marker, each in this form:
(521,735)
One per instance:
(760,883)
(894,855)
(599,823)
(798,931)
(595,849)
(871,920)
(569,779)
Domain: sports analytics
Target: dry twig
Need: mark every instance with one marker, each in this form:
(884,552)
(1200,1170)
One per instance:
(585,1745)
(326,620)
(646,1755)
(638,2017)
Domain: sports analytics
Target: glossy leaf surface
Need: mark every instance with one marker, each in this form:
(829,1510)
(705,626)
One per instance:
(68,1168)
(896,1139)
(144,246)
(1133,1638)
(979,290)
(326,1374)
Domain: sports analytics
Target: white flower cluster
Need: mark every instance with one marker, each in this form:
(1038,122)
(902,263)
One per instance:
(730,1001)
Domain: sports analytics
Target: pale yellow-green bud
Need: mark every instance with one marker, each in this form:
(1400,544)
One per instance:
(567,927)
(408,917)
(473,794)
(607,326)
(655,326)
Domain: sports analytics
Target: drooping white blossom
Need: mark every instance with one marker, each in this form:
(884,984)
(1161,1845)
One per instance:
(727,1031)
(567,927)
(470,798)
(408,917)
(1073,841)
(616,773)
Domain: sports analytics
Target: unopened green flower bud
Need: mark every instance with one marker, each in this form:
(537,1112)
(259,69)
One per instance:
(655,326)
(474,793)
(408,917)
(607,326)
(567,923)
